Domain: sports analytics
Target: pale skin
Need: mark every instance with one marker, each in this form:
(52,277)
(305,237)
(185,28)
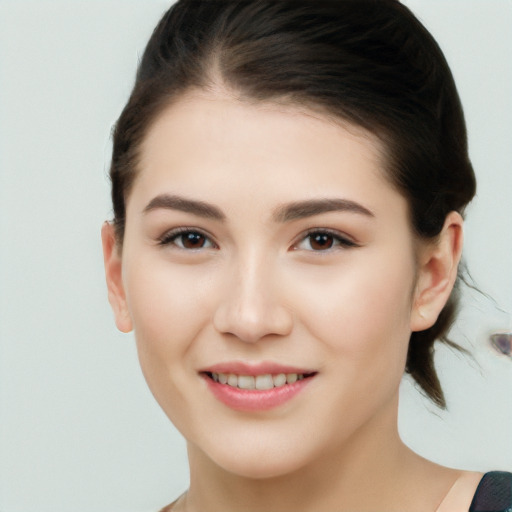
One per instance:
(254,284)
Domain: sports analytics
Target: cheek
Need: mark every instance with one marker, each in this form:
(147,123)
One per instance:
(362,311)
(168,305)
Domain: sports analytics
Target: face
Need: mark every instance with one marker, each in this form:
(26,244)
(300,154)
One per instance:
(263,246)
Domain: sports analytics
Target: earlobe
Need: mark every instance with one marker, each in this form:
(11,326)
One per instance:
(437,273)
(113,274)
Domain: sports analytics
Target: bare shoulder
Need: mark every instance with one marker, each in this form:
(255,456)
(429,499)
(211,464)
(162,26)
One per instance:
(172,506)
(461,492)
(439,488)
(168,508)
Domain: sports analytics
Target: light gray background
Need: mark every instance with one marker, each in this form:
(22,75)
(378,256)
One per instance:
(79,431)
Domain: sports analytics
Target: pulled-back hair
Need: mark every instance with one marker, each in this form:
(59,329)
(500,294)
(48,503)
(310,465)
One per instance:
(366,62)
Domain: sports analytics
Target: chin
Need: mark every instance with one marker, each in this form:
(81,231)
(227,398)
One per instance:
(259,467)
(258,458)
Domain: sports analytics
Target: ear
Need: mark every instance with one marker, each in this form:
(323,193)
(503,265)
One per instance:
(437,272)
(113,274)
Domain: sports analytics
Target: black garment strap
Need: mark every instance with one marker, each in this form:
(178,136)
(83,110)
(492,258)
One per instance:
(494,493)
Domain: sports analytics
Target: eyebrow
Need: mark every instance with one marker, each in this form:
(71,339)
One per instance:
(301,209)
(199,208)
(285,213)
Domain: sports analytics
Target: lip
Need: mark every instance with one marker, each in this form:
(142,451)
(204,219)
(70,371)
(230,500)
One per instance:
(251,400)
(255,369)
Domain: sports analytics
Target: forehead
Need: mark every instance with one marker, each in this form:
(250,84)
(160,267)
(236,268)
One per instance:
(217,145)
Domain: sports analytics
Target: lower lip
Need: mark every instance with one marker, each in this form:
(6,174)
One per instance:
(253,399)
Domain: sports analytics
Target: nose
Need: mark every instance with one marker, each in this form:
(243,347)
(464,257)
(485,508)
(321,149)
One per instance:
(251,306)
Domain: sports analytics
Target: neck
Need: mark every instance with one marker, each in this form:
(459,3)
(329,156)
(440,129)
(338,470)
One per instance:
(370,471)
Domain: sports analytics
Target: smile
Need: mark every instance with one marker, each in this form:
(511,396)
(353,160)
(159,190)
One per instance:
(260,382)
(256,392)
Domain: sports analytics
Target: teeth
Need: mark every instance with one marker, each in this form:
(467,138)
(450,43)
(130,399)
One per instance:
(291,378)
(264,382)
(246,382)
(260,382)
(279,380)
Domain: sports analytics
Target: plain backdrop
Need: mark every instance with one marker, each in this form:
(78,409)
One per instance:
(79,431)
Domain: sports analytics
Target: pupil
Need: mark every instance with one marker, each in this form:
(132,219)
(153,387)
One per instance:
(193,240)
(321,241)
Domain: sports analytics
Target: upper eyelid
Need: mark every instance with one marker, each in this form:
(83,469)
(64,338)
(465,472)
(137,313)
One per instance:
(175,232)
(343,237)
(339,235)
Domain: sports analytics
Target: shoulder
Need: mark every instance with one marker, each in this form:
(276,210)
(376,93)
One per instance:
(168,508)
(494,493)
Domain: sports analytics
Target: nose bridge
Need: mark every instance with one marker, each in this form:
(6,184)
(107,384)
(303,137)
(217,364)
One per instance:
(252,305)
(254,275)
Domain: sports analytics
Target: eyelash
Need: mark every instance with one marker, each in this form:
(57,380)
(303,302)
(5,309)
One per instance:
(170,237)
(338,241)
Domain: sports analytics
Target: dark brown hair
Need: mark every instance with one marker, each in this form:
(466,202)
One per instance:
(368,62)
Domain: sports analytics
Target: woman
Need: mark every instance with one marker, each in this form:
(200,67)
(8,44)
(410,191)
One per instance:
(288,181)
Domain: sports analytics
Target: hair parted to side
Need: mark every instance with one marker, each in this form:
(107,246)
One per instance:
(366,62)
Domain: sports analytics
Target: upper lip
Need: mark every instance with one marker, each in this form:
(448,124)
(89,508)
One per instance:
(255,369)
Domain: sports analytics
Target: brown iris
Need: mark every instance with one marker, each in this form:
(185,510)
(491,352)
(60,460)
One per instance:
(193,240)
(321,241)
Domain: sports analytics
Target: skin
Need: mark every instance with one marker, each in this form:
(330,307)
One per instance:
(257,288)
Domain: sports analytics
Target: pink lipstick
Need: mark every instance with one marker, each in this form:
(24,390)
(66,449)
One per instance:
(249,387)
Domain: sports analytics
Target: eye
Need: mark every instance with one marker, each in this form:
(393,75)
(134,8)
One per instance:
(323,240)
(187,239)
